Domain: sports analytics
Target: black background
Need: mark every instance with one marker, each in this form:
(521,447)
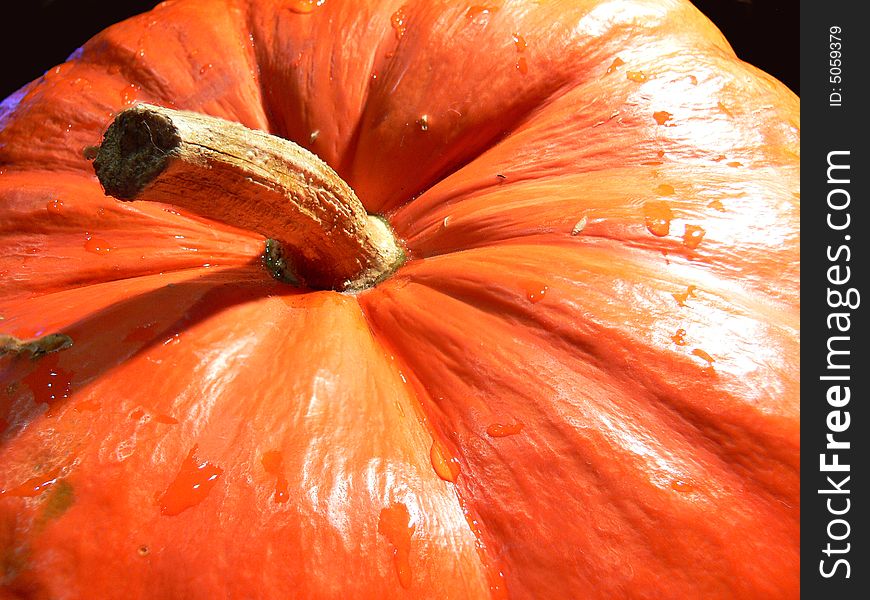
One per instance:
(42,33)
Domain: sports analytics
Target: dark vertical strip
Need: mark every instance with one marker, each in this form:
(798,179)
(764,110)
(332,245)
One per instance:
(835,260)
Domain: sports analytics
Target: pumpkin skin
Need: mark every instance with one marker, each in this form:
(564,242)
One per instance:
(616,405)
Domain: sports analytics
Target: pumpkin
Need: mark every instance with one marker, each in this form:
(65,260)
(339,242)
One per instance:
(582,382)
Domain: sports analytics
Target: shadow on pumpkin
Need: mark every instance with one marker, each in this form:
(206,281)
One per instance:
(42,388)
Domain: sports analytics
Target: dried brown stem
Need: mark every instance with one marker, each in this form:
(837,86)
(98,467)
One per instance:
(249,179)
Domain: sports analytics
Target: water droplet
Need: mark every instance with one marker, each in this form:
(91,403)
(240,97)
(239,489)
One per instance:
(474,12)
(636,76)
(662,117)
(303,7)
(705,357)
(680,485)
(693,236)
(97,245)
(535,292)
(143,333)
(87,406)
(398,22)
(579,226)
(657,217)
(446,466)
(33,486)
(423,123)
(617,62)
(194,481)
(54,207)
(679,337)
(522,65)
(49,383)
(204,68)
(734,163)
(665,190)
(313,137)
(395,525)
(137,414)
(173,339)
(499,430)
(682,297)
(445,222)
(519,42)
(273,462)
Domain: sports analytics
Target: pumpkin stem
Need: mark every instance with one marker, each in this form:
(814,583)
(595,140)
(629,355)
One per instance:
(253,180)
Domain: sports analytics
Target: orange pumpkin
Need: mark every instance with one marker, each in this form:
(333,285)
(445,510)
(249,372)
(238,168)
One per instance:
(582,384)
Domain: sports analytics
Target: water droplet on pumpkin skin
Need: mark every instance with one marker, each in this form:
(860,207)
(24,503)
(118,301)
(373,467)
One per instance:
(499,430)
(679,337)
(173,339)
(33,486)
(693,236)
(705,357)
(49,383)
(54,207)
(535,292)
(273,463)
(97,246)
(474,12)
(617,62)
(303,7)
(636,76)
(522,65)
(519,42)
(446,466)
(394,524)
(87,406)
(662,117)
(734,163)
(657,216)
(194,481)
(129,94)
(682,297)
(204,69)
(423,123)
(142,333)
(398,22)
(680,485)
